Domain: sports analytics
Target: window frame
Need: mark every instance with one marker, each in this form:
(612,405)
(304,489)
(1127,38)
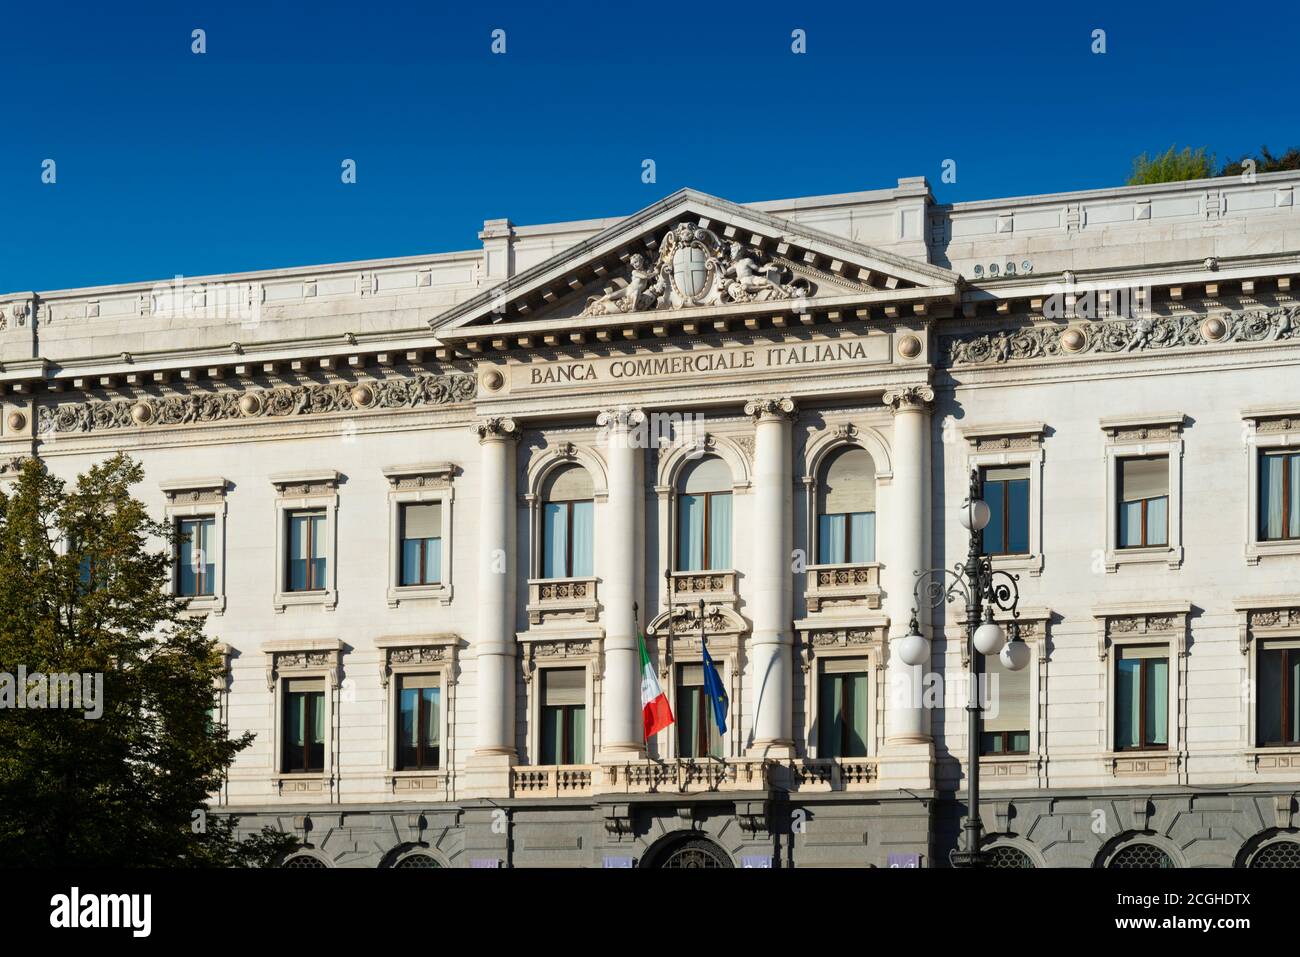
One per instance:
(708,532)
(1141,623)
(720,667)
(307,659)
(872,650)
(686,652)
(304,492)
(1143,744)
(306,514)
(1006,510)
(195,498)
(420,484)
(1145,502)
(1008,445)
(1146,436)
(536,682)
(421,744)
(285,697)
(1289,649)
(423,654)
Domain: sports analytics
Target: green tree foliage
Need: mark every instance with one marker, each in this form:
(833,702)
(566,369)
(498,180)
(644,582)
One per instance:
(1265,162)
(83,592)
(1172,166)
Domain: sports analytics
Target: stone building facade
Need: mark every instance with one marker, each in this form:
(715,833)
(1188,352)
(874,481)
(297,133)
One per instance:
(430,503)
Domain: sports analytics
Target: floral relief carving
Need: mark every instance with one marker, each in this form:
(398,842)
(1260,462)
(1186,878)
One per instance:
(310,399)
(1123,336)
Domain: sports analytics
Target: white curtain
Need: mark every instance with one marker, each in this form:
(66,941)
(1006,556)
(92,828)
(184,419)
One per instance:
(862,537)
(830,539)
(720,531)
(1271,492)
(555,528)
(1158,521)
(1157,701)
(583,537)
(690,532)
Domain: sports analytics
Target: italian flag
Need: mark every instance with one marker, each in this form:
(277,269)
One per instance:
(655,713)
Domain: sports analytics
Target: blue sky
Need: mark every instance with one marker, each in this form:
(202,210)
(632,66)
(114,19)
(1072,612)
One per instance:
(174,163)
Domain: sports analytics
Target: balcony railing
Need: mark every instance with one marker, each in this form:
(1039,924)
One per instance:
(712,586)
(694,776)
(555,780)
(566,597)
(853,584)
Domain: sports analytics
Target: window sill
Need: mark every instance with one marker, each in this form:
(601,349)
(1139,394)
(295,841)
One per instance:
(203,605)
(326,598)
(1116,557)
(1030,562)
(418,783)
(440,592)
(1256,550)
(1145,763)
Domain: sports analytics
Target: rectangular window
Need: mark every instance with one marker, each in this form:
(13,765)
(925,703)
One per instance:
(306,571)
(421,530)
(1278,689)
(564,716)
(842,708)
(1006,489)
(1144,502)
(1279,495)
(1006,714)
(194,565)
(419,741)
(697,729)
(1142,697)
(304,725)
(704,531)
(567,533)
(846,538)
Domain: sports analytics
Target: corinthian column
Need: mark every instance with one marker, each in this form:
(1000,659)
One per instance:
(907,721)
(771,642)
(494,641)
(621,543)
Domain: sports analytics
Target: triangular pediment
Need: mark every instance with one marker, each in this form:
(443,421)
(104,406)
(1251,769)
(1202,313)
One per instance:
(685,257)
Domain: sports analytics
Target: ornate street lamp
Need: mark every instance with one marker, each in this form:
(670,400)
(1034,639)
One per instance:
(983,589)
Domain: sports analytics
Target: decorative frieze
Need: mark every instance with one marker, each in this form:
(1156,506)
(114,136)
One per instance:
(410,653)
(1157,623)
(1119,336)
(310,657)
(97,415)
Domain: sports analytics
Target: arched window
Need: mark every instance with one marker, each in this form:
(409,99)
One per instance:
(1140,856)
(1277,854)
(846,509)
(704,516)
(568,513)
(1006,856)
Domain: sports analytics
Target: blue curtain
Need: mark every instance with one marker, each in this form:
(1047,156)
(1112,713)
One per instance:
(432,560)
(1270,721)
(1128,700)
(410,710)
(297,720)
(431,716)
(297,553)
(1130,524)
(830,539)
(992,535)
(1157,701)
(690,532)
(1270,495)
(555,527)
(318,549)
(862,537)
(720,531)
(1018,517)
(830,701)
(583,537)
(1157,521)
(1293,526)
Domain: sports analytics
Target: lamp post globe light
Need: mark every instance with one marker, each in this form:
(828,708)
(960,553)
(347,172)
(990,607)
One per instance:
(984,590)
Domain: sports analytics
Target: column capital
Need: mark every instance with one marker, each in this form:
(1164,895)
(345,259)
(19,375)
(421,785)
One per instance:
(771,407)
(621,417)
(909,398)
(498,429)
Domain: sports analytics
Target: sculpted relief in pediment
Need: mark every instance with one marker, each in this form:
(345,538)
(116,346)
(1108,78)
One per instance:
(693,267)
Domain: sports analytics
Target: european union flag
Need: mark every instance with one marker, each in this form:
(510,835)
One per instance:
(713,689)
